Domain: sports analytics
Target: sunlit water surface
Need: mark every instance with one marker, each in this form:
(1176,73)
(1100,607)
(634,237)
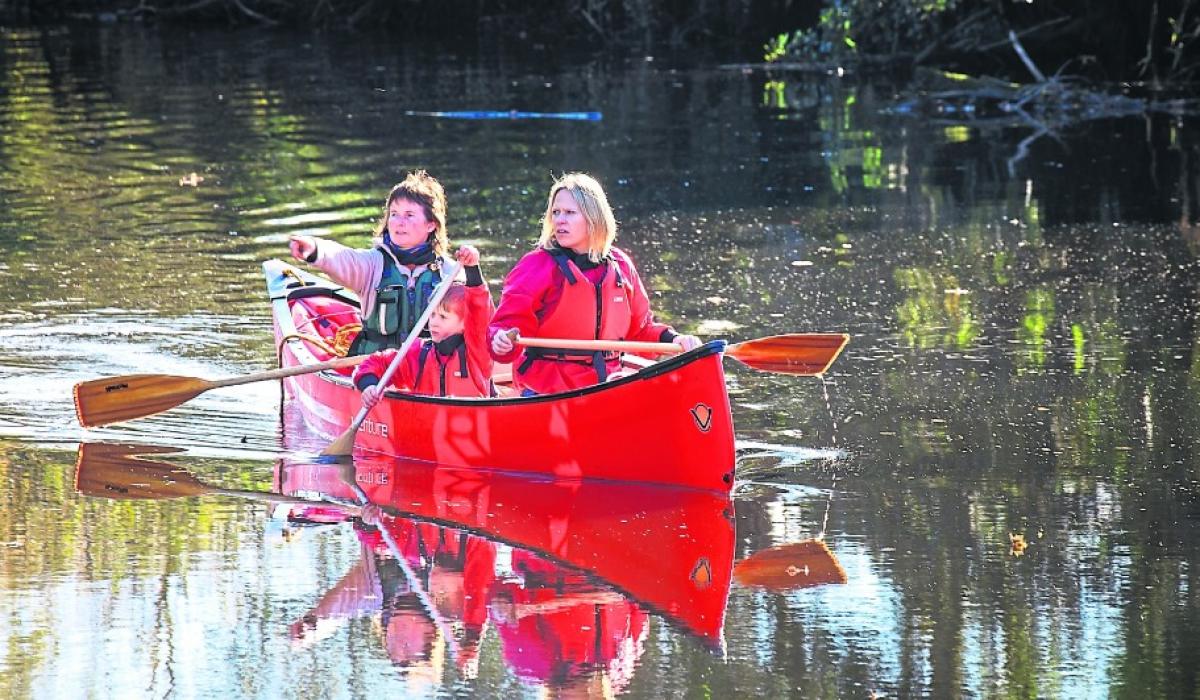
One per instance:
(1003,462)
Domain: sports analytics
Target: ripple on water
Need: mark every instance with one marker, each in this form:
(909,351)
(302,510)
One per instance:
(41,362)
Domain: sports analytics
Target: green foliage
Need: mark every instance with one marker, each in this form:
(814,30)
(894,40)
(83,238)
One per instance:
(846,28)
(934,311)
(1107,41)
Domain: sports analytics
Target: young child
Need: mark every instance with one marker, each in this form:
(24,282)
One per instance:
(454,361)
(396,276)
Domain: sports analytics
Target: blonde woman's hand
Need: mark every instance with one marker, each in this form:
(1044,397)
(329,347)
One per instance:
(502,342)
(687,342)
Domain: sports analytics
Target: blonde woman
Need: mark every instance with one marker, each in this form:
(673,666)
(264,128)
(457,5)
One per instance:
(577,285)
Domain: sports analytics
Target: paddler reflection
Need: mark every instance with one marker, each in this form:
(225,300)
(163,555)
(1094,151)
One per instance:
(557,628)
(433,601)
(564,632)
(558,578)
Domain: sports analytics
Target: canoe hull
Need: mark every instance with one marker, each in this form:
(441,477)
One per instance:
(668,424)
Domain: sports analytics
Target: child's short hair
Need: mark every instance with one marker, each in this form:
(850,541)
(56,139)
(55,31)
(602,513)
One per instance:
(455,300)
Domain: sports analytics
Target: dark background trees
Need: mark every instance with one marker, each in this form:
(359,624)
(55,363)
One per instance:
(1150,41)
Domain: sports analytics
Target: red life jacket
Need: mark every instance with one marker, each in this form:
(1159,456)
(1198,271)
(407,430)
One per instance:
(585,311)
(444,376)
(589,311)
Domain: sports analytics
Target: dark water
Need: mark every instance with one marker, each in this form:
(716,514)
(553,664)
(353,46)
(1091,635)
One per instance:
(1023,365)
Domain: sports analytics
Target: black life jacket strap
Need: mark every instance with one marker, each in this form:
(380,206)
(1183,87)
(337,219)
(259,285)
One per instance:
(425,348)
(564,266)
(600,366)
(598,359)
(461,351)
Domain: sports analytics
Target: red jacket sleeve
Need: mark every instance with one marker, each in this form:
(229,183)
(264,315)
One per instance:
(377,363)
(523,298)
(475,332)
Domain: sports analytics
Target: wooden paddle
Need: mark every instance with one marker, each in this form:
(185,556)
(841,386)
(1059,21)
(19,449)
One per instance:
(116,399)
(123,472)
(789,566)
(800,354)
(344,445)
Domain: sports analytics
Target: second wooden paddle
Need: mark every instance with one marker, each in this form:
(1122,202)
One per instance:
(115,399)
(344,444)
(799,354)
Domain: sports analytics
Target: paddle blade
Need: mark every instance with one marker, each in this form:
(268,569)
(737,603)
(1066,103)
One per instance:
(801,354)
(790,566)
(122,472)
(116,399)
(344,445)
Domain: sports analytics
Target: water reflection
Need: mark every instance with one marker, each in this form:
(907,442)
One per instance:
(669,550)
(790,566)
(569,575)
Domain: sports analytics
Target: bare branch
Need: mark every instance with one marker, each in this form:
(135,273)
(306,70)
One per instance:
(1012,38)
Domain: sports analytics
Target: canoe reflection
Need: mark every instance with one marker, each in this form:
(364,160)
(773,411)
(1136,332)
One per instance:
(567,573)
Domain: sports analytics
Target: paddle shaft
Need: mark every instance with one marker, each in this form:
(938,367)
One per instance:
(599,345)
(285,372)
(345,443)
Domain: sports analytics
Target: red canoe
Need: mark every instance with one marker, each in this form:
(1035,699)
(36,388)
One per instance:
(669,423)
(667,549)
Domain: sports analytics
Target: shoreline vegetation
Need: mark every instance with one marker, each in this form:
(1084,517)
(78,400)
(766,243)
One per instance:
(1045,66)
(1152,43)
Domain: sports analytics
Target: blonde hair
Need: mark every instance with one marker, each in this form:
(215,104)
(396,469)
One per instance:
(421,188)
(593,204)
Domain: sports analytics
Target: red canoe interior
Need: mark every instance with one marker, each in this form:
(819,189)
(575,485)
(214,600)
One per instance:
(326,325)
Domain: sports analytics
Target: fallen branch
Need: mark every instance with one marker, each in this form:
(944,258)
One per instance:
(252,14)
(1016,43)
